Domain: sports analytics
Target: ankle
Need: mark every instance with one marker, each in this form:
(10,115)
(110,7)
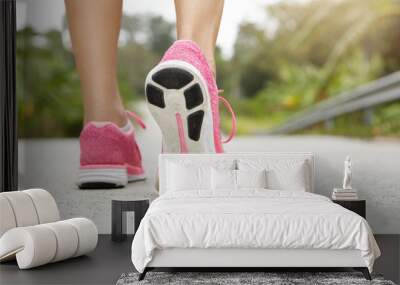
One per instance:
(211,63)
(206,47)
(106,114)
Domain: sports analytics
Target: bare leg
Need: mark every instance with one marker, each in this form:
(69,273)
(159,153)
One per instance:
(199,20)
(94,26)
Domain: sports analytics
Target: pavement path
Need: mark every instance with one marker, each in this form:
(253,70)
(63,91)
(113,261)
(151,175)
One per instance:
(52,164)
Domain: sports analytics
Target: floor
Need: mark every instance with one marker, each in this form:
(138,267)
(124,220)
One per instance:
(103,266)
(110,260)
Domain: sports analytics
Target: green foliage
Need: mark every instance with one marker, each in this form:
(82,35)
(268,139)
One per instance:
(318,50)
(297,88)
(48,87)
(386,121)
(315,50)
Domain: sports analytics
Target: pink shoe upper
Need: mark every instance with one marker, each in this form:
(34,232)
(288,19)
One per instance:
(188,51)
(105,145)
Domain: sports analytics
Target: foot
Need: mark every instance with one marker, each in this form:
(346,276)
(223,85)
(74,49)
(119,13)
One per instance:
(182,96)
(110,155)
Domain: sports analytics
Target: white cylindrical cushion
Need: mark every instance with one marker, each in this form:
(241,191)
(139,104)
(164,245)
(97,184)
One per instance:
(23,208)
(45,205)
(7,218)
(37,245)
(33,246)
(67,239)
(87,234)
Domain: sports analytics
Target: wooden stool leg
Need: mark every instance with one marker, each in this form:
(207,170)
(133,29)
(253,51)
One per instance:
(116,221)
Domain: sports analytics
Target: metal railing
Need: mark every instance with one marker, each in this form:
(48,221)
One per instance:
(378,92)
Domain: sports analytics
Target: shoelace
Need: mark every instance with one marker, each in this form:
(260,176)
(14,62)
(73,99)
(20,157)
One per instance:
(136,118)
(182,141)
(233,116)
(232,133)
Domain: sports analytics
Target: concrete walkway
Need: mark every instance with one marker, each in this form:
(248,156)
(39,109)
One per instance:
(52,164)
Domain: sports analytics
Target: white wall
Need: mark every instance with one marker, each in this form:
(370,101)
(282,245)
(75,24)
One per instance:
(52,164)
(376,170)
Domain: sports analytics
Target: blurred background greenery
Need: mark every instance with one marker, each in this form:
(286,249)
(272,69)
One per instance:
(316,50)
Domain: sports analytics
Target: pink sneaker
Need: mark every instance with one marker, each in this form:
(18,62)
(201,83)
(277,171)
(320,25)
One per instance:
(110,156)
(182,96)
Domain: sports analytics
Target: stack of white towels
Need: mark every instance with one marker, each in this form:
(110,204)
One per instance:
(344,194)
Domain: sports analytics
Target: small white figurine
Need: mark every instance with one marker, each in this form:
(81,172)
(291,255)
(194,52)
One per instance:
(347,173)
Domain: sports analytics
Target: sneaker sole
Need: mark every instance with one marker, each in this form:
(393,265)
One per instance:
(175,89)
(105,178)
